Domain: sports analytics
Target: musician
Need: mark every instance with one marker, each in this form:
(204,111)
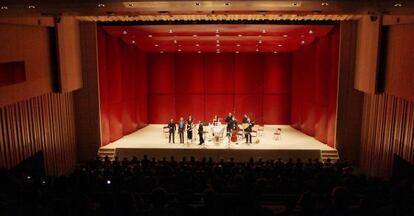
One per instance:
(171,129)
(234,123)
(216,121)
(229,121)
(181,129)
(189,128)
(200,132)
(245,119)
(248,132)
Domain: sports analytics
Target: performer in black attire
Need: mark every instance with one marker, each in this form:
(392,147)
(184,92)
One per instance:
(245,119)
(200,132)
(171,128)
(229,121)
(248,131)
(190,129)
(181,128)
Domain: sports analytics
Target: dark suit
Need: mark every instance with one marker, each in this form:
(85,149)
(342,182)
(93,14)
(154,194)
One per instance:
(171,129)
(200,133)
(229,121)
(189,130)
(248,134)
(181,129)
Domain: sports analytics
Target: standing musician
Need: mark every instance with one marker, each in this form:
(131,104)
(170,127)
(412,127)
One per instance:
(248,132)
(229,121)
(189,129)
(171,129)
(216,121)
(181,128)
(245,119)
(200,133)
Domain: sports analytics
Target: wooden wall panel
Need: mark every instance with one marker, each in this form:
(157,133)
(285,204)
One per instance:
(367,54)
(69,52)
(32,45)
(387,129)
(399,76)
(42,123)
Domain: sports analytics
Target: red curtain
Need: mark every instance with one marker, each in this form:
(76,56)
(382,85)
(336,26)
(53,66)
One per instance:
(314,88)
(122,87)
(204,85)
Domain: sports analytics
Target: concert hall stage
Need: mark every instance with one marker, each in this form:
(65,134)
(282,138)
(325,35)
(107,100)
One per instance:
(151,141)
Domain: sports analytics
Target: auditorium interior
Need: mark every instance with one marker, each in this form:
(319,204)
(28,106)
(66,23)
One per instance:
(207,107)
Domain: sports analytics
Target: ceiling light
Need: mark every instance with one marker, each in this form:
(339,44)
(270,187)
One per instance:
(238,45)
(217,41)
(149,35)
(398,5)
(257,50)
(240,35)
(133,42)
(195,35)
(197,3)
(302,42)
(31,7)
(197,45)
(124,32)
(275,52)
(279,45)
(264,31)
(170,31)
(156,45)
(175,41)
(227,3)
(237,51)
(260,35)
(179,50)
(217,35)
(218,45)
(324,3)
(179,45)
(310,32)
(260,41)
(4,7)
(101,5)
(285,35)
(161,51)
(199,51)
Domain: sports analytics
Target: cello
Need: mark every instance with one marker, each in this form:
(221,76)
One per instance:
(234,131)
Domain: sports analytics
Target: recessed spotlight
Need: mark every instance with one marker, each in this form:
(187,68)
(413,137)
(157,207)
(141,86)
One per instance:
(133,42)
(195,35)
(310,31)
(257,50)
(240,35)
(197,45)
(217,41)
(260,41)
(175,41)
(179,50)
(179,45)
(279,45)
(398,5)
(285,35)
(275,52)
(199,51)
(161,51)
(156,45)
(217,35)
(101,5)
(264,31)
(4,7)
(197,3)
(237,52)
(227,3)
(302,42)
(218,45)
(124,32)
(324,3)
(170,31)
(238,45)
(31,7)
(149,35)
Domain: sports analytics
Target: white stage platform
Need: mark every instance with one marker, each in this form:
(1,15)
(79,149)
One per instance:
(151,141)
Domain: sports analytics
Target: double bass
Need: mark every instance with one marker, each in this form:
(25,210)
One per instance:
(234,131)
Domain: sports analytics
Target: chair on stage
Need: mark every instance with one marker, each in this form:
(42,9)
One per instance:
(166,132)
(260,130)
(277,135)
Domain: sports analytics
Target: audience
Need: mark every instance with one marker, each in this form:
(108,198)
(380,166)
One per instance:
(204,187)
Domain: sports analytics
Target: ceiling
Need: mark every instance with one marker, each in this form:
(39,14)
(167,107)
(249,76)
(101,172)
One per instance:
(219,38)
(177,7)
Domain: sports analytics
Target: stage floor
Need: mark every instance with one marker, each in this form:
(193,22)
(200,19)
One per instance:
(152,142)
